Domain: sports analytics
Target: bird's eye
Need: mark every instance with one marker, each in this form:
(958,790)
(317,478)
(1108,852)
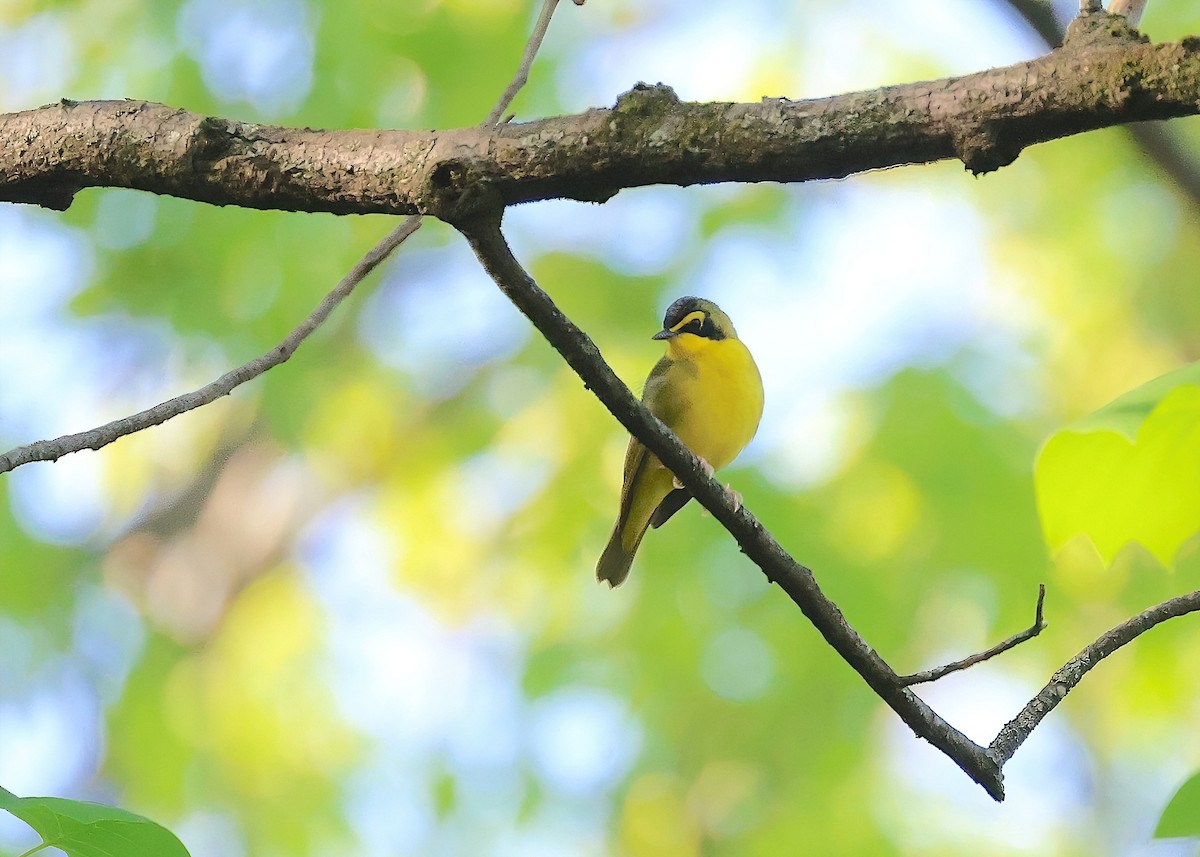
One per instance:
(694,326)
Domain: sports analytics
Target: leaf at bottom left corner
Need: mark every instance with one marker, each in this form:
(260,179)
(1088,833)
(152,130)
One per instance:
(82,829)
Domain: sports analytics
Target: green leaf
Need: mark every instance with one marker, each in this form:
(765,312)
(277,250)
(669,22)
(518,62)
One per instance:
(82,829)
(1127,413)
(1130,472)
(1181,818)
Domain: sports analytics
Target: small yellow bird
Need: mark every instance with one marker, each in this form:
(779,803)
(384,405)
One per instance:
(707,389)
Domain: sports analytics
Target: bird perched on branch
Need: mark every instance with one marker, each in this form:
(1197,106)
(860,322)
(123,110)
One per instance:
(707,389)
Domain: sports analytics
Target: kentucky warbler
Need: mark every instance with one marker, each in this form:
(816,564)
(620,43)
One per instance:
(707,389)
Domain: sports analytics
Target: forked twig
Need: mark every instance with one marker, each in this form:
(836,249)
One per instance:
(1029,633)
(1014,733)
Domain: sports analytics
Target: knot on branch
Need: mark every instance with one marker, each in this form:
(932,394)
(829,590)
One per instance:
(458,191)
(645,100)
(981,150)
(54,194)
(212,141)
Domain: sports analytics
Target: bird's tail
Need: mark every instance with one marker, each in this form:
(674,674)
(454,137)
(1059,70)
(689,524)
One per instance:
(645,488)
(614,563)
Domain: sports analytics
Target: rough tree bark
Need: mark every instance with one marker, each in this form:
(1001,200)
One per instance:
(1105,74)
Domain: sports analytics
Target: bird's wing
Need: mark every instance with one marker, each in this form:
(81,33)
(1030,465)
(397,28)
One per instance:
(664,397)
(663,393)
(635,461)
(646,482)
(636,455)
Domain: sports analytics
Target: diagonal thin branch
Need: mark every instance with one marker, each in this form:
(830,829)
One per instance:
(1039,625)
(96,438)
(480,225)
(479,222)
(52,450)
(531,50)
(1014,733)
(983,765)
(580,352)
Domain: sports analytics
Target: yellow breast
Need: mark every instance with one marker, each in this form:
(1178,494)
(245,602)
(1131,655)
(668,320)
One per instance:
(718,396)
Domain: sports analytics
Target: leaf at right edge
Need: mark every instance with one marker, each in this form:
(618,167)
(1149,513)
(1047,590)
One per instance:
(1181,818)
(1126,413)
(1095,479)
(83,829)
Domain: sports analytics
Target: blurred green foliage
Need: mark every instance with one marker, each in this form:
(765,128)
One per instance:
(364,582)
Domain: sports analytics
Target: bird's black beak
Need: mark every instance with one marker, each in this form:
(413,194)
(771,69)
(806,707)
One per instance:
(665,334)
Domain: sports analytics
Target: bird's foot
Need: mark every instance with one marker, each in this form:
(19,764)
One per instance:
(704,465)
(734,498)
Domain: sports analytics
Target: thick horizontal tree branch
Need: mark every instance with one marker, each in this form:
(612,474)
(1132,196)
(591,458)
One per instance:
(1105,74)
